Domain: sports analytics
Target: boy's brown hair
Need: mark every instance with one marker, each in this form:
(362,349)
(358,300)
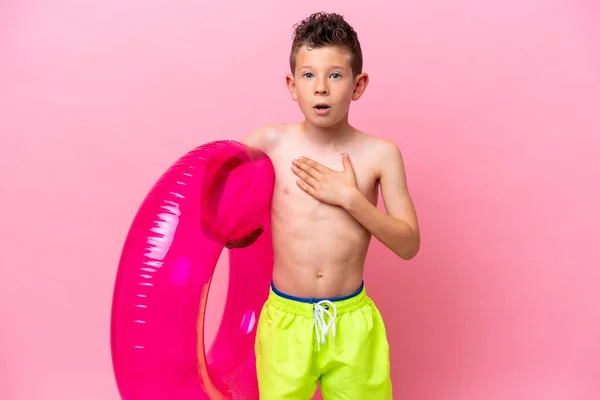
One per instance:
(327,29)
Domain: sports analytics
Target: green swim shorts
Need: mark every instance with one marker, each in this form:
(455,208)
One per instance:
(339,343)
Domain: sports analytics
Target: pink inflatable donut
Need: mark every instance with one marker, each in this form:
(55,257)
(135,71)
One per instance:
(214,197)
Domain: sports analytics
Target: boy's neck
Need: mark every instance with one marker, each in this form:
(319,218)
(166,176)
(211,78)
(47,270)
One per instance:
(330,136)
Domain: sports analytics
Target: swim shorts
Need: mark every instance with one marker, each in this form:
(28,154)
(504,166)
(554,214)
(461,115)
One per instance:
(339,343)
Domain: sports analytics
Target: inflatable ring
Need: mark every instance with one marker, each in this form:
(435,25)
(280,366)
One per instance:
(216,196)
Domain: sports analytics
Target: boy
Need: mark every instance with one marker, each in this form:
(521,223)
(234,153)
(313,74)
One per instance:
(318,325)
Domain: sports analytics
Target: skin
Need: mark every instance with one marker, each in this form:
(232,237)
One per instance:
(328,176)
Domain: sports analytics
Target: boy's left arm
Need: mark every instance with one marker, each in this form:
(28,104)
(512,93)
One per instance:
(398,229)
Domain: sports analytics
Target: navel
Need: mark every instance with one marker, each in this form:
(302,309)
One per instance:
(319,274)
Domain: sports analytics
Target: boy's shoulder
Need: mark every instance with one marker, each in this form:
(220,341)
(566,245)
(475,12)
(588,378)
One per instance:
(382,154)
(378,146)
(267,136)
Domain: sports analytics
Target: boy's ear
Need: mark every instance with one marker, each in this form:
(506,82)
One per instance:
(289,79)
(362,81)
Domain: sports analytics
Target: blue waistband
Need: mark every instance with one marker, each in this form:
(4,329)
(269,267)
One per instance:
(315,300)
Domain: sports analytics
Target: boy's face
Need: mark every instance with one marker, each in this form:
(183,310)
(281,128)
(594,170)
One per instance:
(323,84)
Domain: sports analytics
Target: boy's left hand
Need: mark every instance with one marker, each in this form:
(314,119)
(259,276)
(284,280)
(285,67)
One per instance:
(324,184)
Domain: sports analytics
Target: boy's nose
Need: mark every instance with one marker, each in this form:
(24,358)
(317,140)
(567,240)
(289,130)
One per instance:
(321,88)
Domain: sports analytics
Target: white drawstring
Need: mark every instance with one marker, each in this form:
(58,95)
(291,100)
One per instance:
(322,309)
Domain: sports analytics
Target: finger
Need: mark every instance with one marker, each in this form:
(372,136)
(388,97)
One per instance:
(312,163)
(310,170)
(306,187)
(305,176)
(346,162)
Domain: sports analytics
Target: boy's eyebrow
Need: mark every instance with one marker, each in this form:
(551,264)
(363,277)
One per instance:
(332,67)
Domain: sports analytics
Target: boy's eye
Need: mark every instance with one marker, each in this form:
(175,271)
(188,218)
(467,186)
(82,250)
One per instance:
(307,75)
(336,76)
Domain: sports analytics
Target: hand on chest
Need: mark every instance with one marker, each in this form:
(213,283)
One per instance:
(284,164)
(296,170)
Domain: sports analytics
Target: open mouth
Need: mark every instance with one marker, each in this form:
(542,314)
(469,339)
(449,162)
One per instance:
(322,107)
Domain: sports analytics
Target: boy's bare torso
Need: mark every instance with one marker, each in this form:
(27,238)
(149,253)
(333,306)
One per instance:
(319,249)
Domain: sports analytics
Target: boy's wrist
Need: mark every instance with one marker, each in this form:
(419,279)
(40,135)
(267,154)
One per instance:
(351,199)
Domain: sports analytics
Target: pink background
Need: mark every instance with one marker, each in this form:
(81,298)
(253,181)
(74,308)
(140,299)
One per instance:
(495,105)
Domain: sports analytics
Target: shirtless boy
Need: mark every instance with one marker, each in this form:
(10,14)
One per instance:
(318,324)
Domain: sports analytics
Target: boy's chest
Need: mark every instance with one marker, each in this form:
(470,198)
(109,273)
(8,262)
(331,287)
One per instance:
(364,169)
